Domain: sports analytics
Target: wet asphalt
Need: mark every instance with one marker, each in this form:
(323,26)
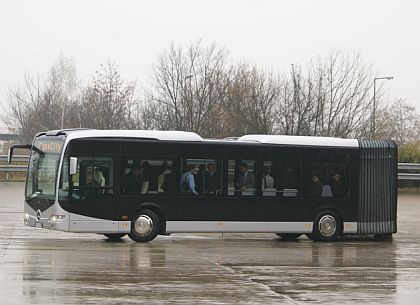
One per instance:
(40,266)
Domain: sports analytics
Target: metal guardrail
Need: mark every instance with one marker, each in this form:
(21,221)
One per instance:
(16,158)
(13,168)
(22,168)
(9,169)
(408,176)
(415,166)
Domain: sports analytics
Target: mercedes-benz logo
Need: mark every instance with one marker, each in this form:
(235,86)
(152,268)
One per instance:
(38,215)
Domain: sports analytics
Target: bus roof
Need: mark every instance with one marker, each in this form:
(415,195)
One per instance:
(139,134)
(300,140)
(185,136)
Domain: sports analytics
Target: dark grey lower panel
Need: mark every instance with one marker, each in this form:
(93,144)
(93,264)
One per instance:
(385,227)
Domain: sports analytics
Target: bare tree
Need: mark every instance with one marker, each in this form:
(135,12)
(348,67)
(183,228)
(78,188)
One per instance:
(39,105)
(108,102)
(333,99)
(197,89)
(187,87)
(344,95)
(249,106)
(296,108)
(399,122)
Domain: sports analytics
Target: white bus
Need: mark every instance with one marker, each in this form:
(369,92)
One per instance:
(146,183)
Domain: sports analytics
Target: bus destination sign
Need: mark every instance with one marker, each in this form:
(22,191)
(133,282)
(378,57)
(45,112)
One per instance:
(50,147)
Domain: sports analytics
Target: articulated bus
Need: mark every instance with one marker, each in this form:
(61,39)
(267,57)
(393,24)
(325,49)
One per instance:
(148,183)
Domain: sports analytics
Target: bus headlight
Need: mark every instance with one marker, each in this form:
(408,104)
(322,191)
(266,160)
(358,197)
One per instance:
(26,216)
(56,218)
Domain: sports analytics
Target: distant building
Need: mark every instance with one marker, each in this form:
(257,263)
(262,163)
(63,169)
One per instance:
(6,139)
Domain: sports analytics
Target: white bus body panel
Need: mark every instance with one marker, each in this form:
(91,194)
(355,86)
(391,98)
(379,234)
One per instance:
(80,223)
(42,219)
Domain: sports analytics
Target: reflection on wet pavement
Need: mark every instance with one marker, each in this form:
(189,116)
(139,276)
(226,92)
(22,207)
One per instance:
(46,267)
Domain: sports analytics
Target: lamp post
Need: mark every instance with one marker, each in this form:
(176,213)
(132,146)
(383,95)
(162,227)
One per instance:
(374,102)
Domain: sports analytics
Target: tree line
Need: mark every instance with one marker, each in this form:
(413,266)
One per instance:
(198,88)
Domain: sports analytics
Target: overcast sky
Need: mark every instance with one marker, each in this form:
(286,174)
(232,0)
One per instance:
(272,34)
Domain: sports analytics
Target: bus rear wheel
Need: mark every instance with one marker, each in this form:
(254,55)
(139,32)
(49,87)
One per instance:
(289,236)
(114,236)
(144,227)
(383,237)
(327,226)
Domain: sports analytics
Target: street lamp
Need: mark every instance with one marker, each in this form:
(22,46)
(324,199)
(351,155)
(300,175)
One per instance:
(374,102)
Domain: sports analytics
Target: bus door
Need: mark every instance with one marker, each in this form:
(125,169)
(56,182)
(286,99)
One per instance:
(204,202)
(242,178)
(92,189)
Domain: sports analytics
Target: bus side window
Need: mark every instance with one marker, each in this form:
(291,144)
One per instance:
(267,181)
(103,173)
(84,168)
(207,176)
(328,174)
(242,178)
(281,176)
(94,176)
(148,176)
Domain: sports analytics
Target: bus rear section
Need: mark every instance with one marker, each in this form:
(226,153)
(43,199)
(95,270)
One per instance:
(378,176)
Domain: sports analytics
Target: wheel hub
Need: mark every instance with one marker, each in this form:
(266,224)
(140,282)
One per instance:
(327,225)
(143,225)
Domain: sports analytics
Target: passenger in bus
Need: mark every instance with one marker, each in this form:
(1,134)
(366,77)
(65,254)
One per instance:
(187,181)
(336,185)
(168,186)
(147,177)
(162,180)
(90,181)
(147,170)
(91,186)
(211,181)
(199,179)
(326,177)
(246,179)
(134,180)
(267,180)
(315,188)
(99,177)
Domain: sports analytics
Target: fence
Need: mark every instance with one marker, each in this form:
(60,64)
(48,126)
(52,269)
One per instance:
(410,167)
(13,172)
(21,168)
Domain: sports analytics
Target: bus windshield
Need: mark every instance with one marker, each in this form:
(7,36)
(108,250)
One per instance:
(43,167)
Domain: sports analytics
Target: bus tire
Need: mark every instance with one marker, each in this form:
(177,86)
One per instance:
(114,236)
(383,237)
(145,226)
(289,236)
(327,226)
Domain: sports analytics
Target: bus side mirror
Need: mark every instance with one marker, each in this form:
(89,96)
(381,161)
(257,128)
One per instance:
(9,155)
(73,166)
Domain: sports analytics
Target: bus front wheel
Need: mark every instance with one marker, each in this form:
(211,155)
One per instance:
(144,227)
(327,226)
(289,236)
(114,236)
